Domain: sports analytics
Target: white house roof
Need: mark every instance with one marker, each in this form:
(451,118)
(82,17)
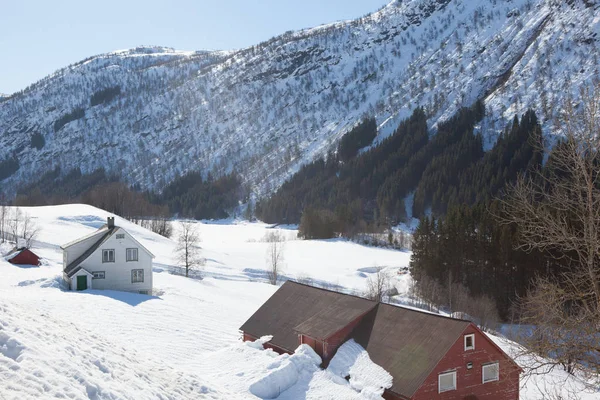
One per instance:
(99,231)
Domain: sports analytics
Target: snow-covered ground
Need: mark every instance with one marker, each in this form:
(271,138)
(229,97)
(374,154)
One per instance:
(184,342)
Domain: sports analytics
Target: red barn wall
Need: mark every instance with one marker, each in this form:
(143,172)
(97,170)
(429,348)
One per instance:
(25,257)
(389,395)
(337,339)
(469,382)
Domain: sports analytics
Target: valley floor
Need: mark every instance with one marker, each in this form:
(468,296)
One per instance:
(184,341)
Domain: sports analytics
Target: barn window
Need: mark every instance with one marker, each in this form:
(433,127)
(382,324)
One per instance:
(490,372)
(108,255)
(447,381)
(98,275)
(132,254)
(469,342)
(120,236)
(137,275)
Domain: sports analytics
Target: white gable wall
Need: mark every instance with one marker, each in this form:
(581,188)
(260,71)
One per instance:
(118,274)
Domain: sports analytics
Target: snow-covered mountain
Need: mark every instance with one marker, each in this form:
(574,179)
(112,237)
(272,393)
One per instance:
(267,109)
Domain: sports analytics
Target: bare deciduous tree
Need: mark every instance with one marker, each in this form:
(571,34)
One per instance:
(275,255)
(28,231)
(378,285)
(3,219)
(456,297)
(558,210)
(187,249)
(14,223)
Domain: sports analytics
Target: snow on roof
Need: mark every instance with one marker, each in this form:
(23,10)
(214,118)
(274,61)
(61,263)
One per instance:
(100,231)
(366,377)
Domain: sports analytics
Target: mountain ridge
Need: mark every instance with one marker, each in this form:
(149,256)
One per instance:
(268,109)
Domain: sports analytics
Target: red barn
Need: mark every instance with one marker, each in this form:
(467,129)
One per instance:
(429,356)
(24,257)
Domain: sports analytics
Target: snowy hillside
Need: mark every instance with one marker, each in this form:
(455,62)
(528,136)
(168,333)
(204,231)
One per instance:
(182,343)
(265,110)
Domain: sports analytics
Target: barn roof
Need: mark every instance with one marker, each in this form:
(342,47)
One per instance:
(296,308)
(405,342)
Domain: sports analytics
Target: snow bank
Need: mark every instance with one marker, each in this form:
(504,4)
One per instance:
(286,372)
(366,377)
(259,343)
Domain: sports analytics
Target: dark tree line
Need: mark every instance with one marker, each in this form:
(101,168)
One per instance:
(188,196)
(367,191)
(54,187)
(8,167)
(463,174)
(358,138)
(75,114)
(37,140)
(105,95)
(193,196)
(469,247)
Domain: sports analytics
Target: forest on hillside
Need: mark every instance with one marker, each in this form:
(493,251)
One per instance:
(365,189)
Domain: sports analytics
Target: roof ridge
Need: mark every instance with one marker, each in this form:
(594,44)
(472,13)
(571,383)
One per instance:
(331,291)
(379,302)
(426,312)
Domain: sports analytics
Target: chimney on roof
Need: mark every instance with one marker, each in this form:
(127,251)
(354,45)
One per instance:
(110,222)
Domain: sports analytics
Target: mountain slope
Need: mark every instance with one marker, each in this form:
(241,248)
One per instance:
(268,109)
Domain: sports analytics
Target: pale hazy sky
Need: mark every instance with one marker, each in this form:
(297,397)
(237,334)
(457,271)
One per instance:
(39,37)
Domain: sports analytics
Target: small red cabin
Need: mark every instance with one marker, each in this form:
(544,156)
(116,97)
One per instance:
(24,257)
(429,356)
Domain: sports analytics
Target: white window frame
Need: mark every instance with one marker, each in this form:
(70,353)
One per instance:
(107,259)
(453,373)
(98,275)
(135,278)
(472,336)
(483,367)
(136,252)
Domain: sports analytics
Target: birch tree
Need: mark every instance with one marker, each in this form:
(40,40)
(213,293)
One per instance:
(275,256)
(187,249)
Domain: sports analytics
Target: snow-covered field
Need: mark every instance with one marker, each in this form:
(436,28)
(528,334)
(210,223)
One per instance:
(184,342)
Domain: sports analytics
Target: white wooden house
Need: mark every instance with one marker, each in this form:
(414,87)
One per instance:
(109,258)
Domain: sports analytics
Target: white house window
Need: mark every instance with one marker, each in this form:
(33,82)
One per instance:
(490,372)
(98,275)
(447,381)
(469,342)
(132,254)
(120,236)
(137,275)
(108,255)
